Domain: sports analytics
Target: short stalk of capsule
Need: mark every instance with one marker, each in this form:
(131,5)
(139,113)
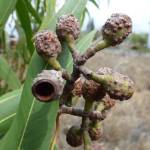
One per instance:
(87,140)
(84,126)
(97,46)
(52,61)
(95,128)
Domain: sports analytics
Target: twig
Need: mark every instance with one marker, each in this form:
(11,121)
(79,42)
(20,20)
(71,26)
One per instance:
(93,115)
(91,51)
(84,125)
(102,79)
(54,139)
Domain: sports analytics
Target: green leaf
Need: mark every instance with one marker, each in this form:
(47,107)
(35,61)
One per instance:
(86,41)
(50,9)
(8,106)
(71,7)
(21,46)
(33,11)
(7,74)
(33,125)
(95,3)
(6,8)
(82,44)
(24,18)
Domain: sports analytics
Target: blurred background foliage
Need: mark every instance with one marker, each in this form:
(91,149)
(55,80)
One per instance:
(139,41)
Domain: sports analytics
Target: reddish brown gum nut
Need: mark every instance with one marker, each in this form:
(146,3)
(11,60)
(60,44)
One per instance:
(121,87)
(77,91)
(48,85)
(47,44)
(95,133)
(117,28)
(108,102)
(74,136)
(68,25)
(92,90)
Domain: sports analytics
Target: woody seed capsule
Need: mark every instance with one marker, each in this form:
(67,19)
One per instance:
(74,136)
(68,25)
(95,131)
(117,28)
(119,86)
(48,85)
(47,44)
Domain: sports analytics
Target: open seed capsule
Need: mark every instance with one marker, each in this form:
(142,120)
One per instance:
(48,85)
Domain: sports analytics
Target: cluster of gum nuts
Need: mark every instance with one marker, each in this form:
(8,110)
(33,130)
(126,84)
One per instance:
(100,89)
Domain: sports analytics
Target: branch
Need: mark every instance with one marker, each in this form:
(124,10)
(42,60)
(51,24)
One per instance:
(93,115)
(91,51)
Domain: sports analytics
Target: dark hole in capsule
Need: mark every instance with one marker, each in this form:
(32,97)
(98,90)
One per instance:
(44,91)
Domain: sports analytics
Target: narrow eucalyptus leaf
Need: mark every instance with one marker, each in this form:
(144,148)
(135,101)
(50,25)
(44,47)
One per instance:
(34,123)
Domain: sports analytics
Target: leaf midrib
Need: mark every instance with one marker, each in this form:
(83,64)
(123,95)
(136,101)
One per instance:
(8,117)
(7,99)
(25,127)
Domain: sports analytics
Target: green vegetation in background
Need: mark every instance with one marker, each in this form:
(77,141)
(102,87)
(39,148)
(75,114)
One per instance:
(139,41)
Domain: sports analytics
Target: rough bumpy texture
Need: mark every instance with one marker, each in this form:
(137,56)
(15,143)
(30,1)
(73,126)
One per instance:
(95,133)
(120,86)
(92,90)
(117,28)
(104,71)
(108,102)
(77,91)
(74,137)
(47,44)
(68,24)
(48,85)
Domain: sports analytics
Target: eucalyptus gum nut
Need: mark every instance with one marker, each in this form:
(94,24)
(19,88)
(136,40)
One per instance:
(74,136)
(95,91)
(47,44)
(120,86)
(77,91)
(95,131)
(108,102)
(68,25)
(92,90)
(48,85)
(117,28)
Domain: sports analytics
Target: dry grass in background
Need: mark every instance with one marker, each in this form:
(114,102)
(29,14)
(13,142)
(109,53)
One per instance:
(127,126)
